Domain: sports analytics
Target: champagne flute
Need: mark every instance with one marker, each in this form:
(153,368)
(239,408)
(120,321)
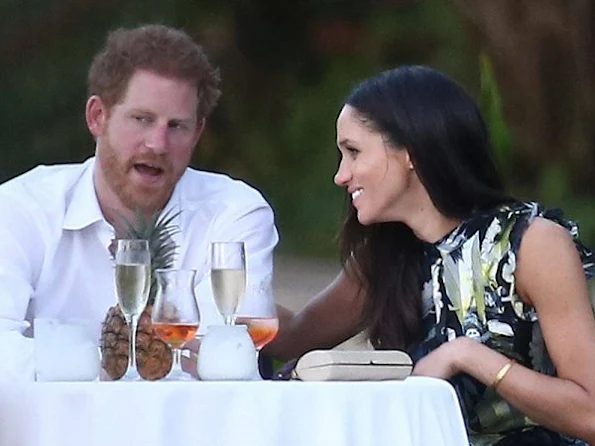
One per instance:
(258,312)
(175,315)
(133,281)
(228,277)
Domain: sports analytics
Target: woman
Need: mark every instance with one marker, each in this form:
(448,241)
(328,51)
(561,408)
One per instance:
(481,289)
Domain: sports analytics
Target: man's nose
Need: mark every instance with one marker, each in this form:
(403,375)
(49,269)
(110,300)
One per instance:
(156,139)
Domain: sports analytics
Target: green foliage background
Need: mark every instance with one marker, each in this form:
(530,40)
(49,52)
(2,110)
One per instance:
(285,69)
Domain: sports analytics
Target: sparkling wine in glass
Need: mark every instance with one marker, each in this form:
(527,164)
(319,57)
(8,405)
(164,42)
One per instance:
(262,330)
(258,312)
(133,281)
(175,315)
(228,277)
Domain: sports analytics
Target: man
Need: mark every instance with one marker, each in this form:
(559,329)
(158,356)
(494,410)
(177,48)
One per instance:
(150,91)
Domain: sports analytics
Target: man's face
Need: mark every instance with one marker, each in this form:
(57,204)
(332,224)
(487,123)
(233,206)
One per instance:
(145,142)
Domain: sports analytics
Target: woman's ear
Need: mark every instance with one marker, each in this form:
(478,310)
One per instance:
(95,115)
(409,162)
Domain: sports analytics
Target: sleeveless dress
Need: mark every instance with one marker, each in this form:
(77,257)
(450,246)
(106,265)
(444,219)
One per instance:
(470,291)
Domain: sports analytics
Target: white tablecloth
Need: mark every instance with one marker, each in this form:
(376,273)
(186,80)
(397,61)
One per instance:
(417,411)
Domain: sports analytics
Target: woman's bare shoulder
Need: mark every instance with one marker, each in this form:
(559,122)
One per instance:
(547,259)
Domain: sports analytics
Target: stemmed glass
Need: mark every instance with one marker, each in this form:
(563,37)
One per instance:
(175,316)
(258,312)
(133,280)
(228,277)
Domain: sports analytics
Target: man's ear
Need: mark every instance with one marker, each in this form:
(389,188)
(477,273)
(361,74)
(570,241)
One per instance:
(200,126)
(96,115)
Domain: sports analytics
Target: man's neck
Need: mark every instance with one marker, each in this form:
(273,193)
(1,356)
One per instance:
(112,208)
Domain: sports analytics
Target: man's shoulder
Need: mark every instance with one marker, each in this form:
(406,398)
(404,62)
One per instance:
(43,184)
(55,174)
(199,186)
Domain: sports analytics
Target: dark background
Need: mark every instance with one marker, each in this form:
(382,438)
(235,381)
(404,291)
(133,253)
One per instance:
(286,67)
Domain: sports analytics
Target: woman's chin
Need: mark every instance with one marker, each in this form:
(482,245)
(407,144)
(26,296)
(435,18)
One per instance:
(364,219)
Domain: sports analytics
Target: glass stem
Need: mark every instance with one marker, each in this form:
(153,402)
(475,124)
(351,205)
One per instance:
(132,346)
(177,365)
(258,362)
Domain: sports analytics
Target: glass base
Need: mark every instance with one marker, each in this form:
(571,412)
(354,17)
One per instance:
(131,375)
(178,375)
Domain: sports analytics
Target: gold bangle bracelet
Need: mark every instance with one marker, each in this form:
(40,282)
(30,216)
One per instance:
(501,374)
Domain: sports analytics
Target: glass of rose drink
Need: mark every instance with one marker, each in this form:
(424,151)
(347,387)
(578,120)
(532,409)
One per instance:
(259,314)
(175,315)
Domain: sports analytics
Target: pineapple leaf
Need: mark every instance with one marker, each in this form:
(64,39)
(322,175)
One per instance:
(158,230)
(166,219)
(128,230)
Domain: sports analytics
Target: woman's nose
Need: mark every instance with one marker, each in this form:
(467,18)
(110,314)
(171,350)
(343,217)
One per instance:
(343,175)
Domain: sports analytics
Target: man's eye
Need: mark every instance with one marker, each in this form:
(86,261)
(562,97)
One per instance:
(178,126)
(142,119)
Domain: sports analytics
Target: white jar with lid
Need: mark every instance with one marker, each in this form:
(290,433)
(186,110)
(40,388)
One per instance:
(227,353)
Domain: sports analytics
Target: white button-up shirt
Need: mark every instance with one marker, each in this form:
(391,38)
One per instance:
(54,260)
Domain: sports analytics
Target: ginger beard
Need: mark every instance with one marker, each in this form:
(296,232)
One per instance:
(136,184)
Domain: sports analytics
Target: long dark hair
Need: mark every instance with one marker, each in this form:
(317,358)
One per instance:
(423,111)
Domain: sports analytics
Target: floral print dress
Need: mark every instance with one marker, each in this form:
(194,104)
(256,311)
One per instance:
(470,291)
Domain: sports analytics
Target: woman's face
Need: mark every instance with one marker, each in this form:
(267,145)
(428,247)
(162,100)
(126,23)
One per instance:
(378,176)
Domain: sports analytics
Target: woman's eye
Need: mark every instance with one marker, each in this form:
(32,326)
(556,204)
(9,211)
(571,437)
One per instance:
(353,152)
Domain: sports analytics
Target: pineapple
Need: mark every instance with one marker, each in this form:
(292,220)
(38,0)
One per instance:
(153,356)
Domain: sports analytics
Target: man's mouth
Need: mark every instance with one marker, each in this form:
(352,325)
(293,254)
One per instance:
(147,169)
(356,194)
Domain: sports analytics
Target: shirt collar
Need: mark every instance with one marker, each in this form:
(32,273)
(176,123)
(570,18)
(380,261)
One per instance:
(83,209)
(174,204)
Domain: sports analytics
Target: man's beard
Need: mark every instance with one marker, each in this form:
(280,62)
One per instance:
(135,198)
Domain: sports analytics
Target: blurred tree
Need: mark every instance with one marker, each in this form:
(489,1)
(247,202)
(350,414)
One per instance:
(285,75)
(543,56)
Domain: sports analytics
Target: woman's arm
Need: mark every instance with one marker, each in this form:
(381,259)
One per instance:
(550,276)
(330,318)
